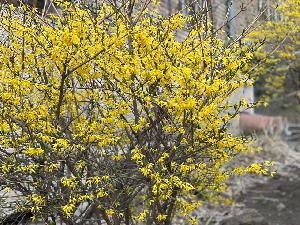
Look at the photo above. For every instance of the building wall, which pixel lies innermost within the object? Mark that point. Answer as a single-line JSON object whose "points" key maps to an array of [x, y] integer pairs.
{"points": [[221, 10]]}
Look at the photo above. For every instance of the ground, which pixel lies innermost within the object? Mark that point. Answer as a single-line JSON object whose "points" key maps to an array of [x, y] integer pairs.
{"points": [[277, 200], [264, 200]]}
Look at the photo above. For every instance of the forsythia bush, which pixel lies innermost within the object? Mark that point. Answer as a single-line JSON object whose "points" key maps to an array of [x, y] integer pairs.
{"points": [[280, 52], [105, 116]]}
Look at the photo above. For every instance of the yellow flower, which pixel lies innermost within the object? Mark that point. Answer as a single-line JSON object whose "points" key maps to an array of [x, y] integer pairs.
{"points": [[161, 217], [68, 209], [33, 151]]}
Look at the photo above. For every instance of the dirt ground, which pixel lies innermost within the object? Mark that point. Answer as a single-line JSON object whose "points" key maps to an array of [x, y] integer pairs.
{"points": [[270, 201], [277, 200], [264, 200]]}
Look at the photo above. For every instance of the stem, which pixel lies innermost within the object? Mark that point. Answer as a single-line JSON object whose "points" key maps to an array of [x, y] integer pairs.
{"points": [[61, 96]]}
